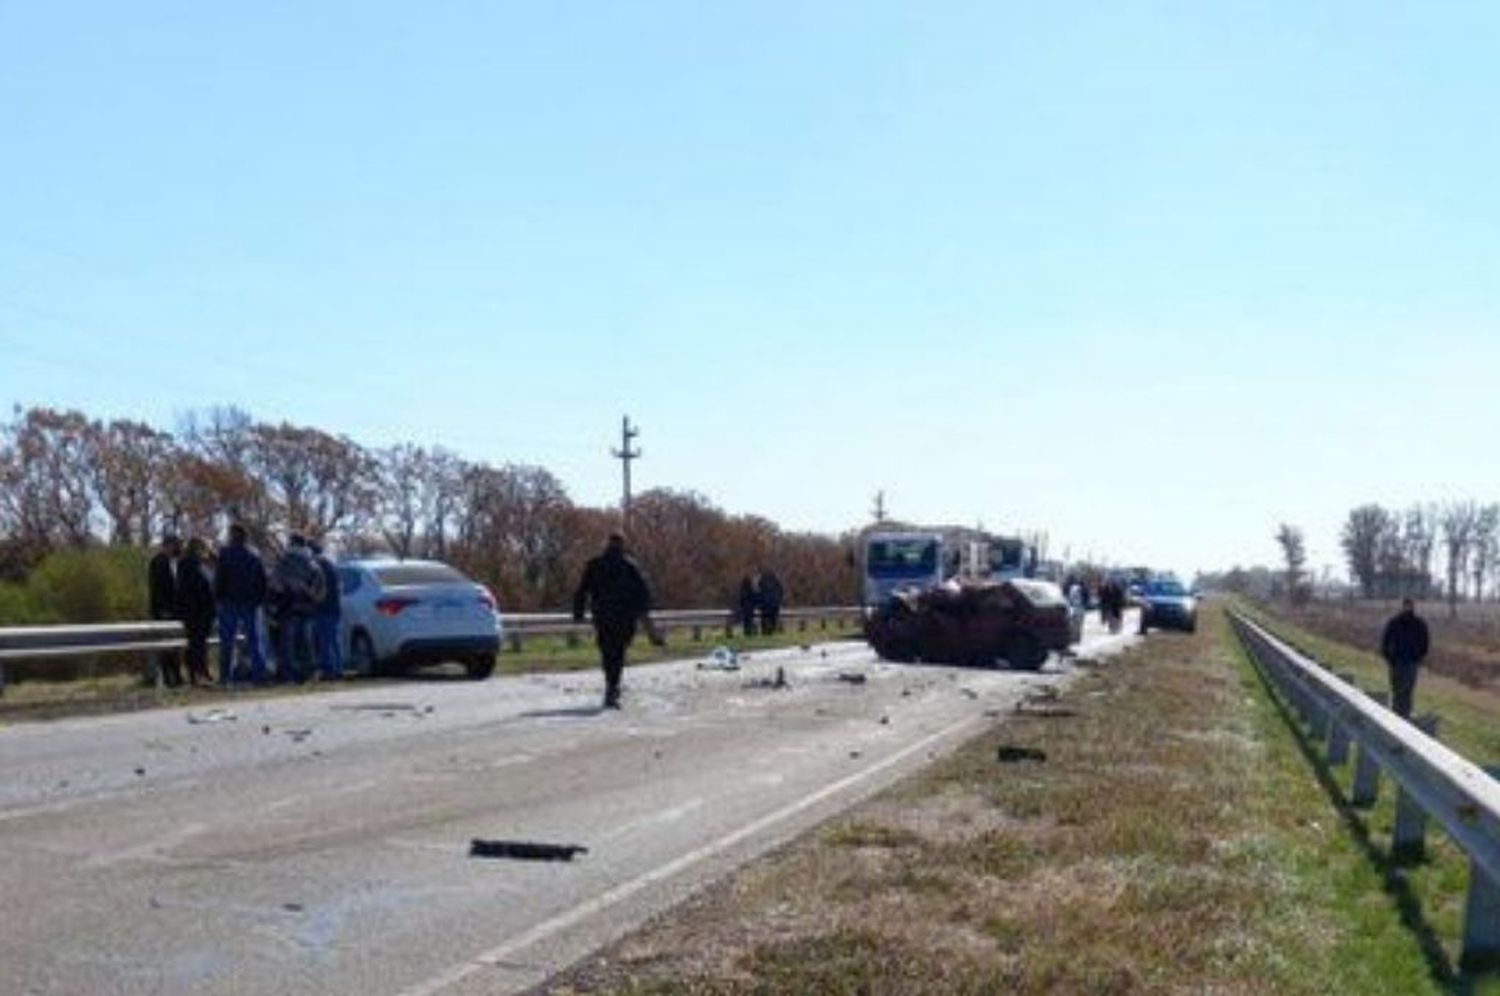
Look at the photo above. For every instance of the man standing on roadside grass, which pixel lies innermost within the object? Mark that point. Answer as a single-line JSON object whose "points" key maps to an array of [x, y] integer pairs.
{"points": [[1403, 645]]}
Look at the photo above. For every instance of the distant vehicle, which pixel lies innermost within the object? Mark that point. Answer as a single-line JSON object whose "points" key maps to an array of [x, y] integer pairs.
{"points": [[1166, 604], [406, 613], [895, 560], [973, 622]]}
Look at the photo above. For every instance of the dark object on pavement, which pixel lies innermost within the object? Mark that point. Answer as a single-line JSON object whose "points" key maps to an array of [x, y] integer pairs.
{"points": [[523, 850], [973, 622], [1009, 754], [852, 677]]}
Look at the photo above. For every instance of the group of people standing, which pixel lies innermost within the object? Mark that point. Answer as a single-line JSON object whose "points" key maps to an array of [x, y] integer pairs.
{"points": [[761, 594], [297, 599]]}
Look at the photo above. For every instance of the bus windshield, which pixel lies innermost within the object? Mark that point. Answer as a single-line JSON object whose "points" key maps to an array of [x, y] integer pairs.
{"points": [[897, 557]]}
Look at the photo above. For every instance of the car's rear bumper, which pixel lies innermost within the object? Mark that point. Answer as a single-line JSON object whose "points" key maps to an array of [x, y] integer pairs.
{"points": [[447, 648]]}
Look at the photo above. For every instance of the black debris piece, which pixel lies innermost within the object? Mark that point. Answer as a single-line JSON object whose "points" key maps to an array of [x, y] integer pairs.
{"points": [[292, 907], [853, 677], [524, 850], [1010, 754]]}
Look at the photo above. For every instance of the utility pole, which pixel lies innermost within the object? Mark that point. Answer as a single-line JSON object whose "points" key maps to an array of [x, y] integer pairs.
{"points": [[879, 510], [625, 454]]}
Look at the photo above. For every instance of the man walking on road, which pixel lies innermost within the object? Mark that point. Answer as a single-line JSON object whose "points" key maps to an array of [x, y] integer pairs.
{"points": [[1403, 645], [161, 584], [240, 587], [616, 593]]}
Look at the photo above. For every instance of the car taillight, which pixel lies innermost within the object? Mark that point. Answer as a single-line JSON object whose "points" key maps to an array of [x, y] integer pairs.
{"points": [[393, 606], [487, 599]]}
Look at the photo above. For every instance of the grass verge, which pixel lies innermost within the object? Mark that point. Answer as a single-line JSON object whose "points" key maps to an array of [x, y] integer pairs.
{"points": [[1172, 839]]}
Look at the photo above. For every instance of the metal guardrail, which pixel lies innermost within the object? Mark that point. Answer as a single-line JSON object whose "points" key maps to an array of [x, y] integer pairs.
{"points": [[40, 643], [1431, 779]]}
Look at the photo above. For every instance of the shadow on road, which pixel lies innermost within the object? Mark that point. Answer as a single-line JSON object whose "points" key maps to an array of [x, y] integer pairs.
{"points": [[573, 712]]}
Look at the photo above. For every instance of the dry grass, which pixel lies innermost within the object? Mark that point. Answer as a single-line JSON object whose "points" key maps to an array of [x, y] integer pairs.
{"points": [[1171, 841]]}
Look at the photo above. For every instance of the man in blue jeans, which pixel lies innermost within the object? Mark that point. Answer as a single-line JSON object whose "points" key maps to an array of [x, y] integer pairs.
{"points": [[239, 588], [326, 618]]}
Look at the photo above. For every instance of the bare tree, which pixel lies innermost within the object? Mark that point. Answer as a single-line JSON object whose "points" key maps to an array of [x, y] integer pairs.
{"points": [[1458, 520], [1484, 547], [128, 463], [1361, 542], [1294, 554]]}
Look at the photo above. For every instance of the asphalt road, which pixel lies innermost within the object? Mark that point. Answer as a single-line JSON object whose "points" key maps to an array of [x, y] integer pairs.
{"points": [[320, 843]]}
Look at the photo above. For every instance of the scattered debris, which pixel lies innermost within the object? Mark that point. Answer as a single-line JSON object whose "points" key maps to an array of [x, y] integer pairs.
{"points": [[853, 677], [1010, 754], [1041, 702], [213, 716], [970, 692], [523, 850], [992, 714], [390, 707], [885, 721], [906, 693], [722, 659], [266, 730], [293, 907], [856, 754], [298, 735], [777, 682], [806, 648], [140, 771]]}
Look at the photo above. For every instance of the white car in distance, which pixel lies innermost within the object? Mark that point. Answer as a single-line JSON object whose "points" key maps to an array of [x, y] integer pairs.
{"points": [[398, 614]]}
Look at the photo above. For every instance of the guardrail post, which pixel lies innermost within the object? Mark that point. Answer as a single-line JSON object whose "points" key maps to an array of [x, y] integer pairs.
{"points": [[571, 638], [1481, 912], [728, 629], [1367, 769], [697, 633], [2, 680], [514, 638], [1319, 721], [1409, 836], [1338, 736]]}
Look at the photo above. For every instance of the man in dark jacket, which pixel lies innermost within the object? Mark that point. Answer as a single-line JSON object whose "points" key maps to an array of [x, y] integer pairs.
{"points": [[326, 617], [749, 601], [613, 588], [297, 591], [1403, 645], [161, 584], [240, 587], [195, 607], [768, 586]]}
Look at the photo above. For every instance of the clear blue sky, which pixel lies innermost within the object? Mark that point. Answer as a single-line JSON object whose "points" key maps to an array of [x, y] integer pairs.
{"points": [[1148, 276]]}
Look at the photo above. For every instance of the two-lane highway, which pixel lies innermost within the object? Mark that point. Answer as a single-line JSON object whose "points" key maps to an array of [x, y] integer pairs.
{"points": [[320, 843]]}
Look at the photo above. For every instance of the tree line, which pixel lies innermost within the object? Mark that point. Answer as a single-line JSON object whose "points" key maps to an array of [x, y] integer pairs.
{"points": [[1393, 553], [70, 482]]}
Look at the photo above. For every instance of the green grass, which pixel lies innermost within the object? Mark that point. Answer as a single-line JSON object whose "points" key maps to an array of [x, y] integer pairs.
{"points": [[1469, 717], [1175, 839]]}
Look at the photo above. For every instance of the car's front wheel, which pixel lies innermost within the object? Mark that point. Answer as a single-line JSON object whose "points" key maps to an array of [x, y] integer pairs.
{"points": [[480, 666], [1025, 652]]}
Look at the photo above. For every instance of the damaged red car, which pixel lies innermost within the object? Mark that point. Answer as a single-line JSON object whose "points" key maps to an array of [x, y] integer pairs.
{"points": [[979, 623]]}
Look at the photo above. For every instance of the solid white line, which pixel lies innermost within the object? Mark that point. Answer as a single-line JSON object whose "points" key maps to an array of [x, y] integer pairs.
{"points": [[506, 952]]}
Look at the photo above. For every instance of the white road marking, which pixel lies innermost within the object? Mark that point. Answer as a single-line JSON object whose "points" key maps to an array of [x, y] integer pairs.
{"points": [[495, 957]]}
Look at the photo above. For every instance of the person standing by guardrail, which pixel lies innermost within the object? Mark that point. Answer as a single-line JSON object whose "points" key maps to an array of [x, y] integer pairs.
{"points": [[1403, 645], [195, 607], [297, 592], [326, 617], [615, 593], [772, 593], [161, 587], [749, 601], [240, 588]]}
